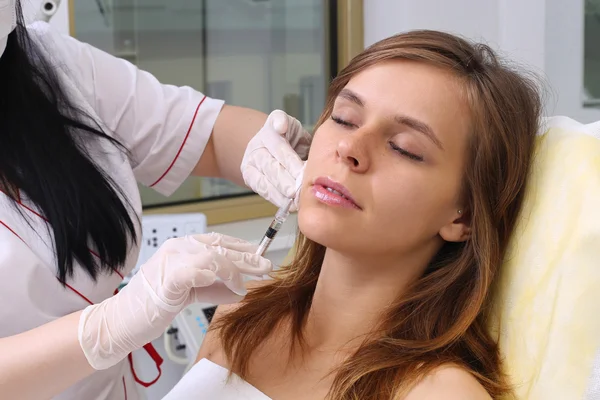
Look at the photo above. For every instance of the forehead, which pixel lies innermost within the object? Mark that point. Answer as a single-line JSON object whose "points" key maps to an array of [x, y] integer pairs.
{"points": [[432, 94]]}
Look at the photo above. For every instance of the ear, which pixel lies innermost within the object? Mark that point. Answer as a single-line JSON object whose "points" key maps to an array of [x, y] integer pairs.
{"points": [[458, 230]]}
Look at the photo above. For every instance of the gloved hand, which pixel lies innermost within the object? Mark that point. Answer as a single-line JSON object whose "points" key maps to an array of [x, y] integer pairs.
{"points": [[183, 271], [273, 159]]}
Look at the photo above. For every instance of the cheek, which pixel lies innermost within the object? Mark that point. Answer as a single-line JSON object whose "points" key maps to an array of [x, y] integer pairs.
{"points": [[414, 205]]}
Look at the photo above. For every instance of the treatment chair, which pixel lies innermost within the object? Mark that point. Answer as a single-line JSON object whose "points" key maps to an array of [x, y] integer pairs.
{"points": [[547, 301]]}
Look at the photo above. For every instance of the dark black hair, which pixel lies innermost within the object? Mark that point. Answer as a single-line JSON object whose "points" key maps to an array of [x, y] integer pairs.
{"points": [[43, 154]]}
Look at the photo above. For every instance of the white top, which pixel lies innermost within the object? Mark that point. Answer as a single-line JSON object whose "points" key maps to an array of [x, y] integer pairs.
{"points": [[165, 128], [207, 380]]}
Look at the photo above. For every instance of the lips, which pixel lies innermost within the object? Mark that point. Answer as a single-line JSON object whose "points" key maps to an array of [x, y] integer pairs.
{"points": [[331, 192]]}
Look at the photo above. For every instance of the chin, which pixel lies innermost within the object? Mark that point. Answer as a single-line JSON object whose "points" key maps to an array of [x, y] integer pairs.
{"points": [[327, 229]]}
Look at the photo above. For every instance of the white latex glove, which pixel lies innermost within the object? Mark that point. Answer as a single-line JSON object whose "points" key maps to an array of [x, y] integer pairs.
{"points": [[183, 271], [273, 159]]}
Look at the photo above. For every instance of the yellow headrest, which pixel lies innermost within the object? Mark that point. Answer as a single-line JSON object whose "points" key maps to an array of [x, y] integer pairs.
{"points": [[549, 286]]}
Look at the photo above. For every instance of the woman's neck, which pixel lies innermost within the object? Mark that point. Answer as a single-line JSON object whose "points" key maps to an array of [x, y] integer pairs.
{"points": [[351, 296]]}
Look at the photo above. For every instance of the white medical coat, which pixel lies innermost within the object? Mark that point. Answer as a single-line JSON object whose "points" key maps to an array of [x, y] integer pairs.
{"points": [[165, 128]]}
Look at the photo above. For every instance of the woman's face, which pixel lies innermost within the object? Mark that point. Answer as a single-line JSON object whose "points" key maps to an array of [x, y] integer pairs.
{"points": [[395, 148]]}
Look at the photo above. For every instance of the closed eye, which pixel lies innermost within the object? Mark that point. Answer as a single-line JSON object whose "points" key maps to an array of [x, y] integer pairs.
{"points": [[342, 122], [405, 153]]}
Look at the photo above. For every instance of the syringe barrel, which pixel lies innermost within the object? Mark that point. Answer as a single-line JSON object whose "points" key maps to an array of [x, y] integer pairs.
{"points": [[274, 227], [263, 245]]}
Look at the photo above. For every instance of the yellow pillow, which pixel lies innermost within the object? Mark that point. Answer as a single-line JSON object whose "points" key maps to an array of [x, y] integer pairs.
{"points": [[548, 295]]}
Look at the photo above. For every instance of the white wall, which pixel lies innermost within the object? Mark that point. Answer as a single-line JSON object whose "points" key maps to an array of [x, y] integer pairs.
{"points": [[500, 23], [544, 35], [564, 57]]}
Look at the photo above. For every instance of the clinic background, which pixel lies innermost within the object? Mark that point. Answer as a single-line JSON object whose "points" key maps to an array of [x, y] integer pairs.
{"points": [[269, 54]]}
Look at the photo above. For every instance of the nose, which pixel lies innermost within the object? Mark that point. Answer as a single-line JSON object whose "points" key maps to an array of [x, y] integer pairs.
{"points": [[353, 150]]}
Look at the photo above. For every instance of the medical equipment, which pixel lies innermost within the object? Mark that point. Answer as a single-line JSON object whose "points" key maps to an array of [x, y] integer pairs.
{"points": [[280, 217], [158, 228], [187, 332], [47, 10]]}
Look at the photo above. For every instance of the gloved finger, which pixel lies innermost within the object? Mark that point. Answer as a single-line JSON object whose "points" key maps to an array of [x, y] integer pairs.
{"points": [[265, 186], [219, 240], [237, 286], [258, 270], [277, 142], [184, 245], [201, 270], [255, 180], [187, 279], [170, 246], [279, 120], [294, 133], [229, 274], [186, 271], [282, 152], [262, 186], [247, 263], [275, 172], [218, 293], [287, 126]]}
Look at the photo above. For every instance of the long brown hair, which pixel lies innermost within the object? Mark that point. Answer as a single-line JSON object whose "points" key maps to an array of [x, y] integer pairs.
{"points": [[443, 317]]}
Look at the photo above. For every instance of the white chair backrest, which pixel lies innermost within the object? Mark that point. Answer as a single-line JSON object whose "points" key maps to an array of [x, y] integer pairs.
{"points": [[548, 299]]}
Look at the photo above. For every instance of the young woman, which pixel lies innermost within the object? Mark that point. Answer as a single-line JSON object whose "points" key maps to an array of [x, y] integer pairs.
{"points": [[410, 193]]}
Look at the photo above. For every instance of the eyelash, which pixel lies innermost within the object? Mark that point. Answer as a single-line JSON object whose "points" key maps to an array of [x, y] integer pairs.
{"points": [[405, 153], [394, 147], [340, 121]]}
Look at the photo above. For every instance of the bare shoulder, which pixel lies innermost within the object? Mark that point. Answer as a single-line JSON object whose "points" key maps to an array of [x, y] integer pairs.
{"points": [[211, 346], [449, 383]]}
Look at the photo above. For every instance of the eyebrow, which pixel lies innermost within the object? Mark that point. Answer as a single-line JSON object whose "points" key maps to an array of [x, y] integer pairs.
{"points": [[412, 123]]}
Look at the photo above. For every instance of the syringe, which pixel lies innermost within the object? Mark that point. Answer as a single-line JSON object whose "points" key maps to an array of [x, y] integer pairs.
{"points": [[280, 217]]}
